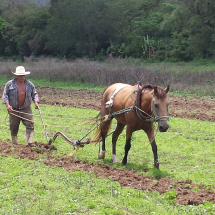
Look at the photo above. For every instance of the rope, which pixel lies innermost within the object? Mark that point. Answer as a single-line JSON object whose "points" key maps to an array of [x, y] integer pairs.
{"points": [[22, 112], [6, 118], [47, 116], [111, 116], [35, 121], [150, 116], [51, 117], [78, 143], [44, 127], [104, 118]]}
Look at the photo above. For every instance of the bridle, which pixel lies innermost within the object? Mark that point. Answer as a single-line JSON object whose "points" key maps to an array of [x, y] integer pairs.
{"points": [[154, 117]]}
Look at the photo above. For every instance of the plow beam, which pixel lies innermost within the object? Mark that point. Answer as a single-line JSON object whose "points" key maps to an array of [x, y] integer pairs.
{"points": [[77, 143]]}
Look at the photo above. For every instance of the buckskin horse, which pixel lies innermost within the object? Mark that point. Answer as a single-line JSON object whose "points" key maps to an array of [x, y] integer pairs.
{"points": [[136, 107]]}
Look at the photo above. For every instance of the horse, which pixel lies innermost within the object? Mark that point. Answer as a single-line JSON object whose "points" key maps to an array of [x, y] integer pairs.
{"points": [[137, 107]]}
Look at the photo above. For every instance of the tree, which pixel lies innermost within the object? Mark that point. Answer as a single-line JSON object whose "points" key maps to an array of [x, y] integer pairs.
{"points": [[3, 25], [79, 28], [141, 29], [193, 21], [28, 30]]}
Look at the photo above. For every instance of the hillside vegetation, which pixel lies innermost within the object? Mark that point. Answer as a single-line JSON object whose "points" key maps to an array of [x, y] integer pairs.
{"points": [[156, 30], [184, 79]]}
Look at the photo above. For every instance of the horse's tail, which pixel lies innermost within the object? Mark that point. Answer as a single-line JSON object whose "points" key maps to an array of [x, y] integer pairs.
{"points": [[103, 125], [97, 134], [94, 119]]}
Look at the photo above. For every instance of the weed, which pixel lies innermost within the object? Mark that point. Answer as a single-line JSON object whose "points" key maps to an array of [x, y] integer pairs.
{"points": [[170, 196]]}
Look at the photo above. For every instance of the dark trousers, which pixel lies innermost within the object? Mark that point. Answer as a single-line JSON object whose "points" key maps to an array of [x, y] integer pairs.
{"points": [[23, 115]]}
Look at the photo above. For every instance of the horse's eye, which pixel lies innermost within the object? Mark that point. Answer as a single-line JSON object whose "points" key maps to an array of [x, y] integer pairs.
{"points": [[156, 105]]}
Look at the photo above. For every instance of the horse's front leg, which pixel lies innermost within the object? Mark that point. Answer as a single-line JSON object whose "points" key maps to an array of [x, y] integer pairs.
{"points": [[127, 144], [150, 134], [154, 149], [127, 148]]}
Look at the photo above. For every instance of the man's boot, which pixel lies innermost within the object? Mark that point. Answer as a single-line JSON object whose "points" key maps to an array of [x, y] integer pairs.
{"points": [[29, 136], [14, 139]]}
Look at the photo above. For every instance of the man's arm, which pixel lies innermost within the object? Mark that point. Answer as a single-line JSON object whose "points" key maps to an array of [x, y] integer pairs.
{"points": [[35, 96]]}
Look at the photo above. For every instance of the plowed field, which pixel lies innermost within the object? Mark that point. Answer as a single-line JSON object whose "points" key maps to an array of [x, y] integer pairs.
{"points": [[184, 107]]}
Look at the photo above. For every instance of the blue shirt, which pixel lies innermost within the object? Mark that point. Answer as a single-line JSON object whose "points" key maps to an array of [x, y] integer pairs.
{"points": [[10, 94]]}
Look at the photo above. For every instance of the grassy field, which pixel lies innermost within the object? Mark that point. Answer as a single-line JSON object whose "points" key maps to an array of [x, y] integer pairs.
{"points": [[186, 151]]}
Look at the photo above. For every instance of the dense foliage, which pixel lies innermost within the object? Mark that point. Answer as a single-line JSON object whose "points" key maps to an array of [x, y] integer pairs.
{"points": [[156, 30]]}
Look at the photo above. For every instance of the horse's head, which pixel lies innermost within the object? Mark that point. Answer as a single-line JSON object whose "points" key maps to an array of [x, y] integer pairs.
{"points": [[160, 107]]}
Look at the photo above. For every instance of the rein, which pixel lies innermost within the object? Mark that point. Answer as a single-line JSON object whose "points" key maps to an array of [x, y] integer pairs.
{"points": [[111, 116], [33, 120]]}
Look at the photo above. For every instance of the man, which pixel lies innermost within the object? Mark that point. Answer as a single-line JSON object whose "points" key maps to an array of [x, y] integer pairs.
{"points": [[17, 96]]}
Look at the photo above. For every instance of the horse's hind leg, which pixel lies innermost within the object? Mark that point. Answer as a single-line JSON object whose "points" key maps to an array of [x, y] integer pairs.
{"points": [[101, 154], [127, 144], [104, 130], [115, 136]]}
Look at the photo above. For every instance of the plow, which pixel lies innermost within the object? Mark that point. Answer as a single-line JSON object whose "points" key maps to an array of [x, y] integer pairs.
{"points": [[77, 143], [81, 142]]}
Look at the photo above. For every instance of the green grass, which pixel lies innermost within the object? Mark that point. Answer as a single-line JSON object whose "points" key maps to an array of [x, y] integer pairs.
{"points": [[30, 187], [186, 151], [70, 85], [59, 84]]}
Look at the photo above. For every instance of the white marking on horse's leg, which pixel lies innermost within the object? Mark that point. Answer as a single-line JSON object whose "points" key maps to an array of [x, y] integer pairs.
{"points": [[101, 154], [114, 158]]}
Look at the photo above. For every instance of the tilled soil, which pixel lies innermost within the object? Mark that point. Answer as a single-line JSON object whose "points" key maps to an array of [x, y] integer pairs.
{"points": [[184, 107]]}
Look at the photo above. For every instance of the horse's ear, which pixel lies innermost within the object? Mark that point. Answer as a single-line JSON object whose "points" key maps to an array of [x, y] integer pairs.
{"points": [[167, 89], [156, 90]]}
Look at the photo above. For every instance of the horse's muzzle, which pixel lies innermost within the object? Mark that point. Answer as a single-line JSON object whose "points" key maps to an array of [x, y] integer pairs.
{"points": [[163, 126]]}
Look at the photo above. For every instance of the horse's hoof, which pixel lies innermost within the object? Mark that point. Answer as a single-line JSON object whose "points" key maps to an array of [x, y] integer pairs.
{"points": [[114, 159], [101, 155], [156, 164], [124, 163]]}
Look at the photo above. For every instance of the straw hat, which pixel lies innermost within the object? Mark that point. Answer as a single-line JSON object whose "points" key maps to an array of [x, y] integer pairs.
{"points": [[20, 70]]}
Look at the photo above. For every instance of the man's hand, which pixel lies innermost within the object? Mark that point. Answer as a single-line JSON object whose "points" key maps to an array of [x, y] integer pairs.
{"points": [[36, 105], [9, 108]]}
